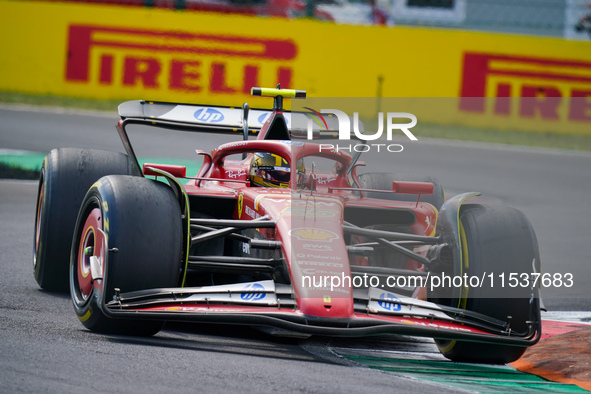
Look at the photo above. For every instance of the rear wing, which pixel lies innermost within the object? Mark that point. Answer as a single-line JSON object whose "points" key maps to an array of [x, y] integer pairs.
{"points": [[210, 118], [200, 117]]}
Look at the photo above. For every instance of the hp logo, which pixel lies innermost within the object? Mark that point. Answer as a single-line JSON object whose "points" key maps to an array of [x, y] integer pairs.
{"points": [[208, 115], [264, 117], [253, 292], [387, 305]]}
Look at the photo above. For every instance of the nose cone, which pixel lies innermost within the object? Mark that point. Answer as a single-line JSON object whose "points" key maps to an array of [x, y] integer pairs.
{"points": [[317, 256]]}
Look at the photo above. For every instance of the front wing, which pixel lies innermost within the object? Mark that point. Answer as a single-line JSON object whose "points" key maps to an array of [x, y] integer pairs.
{"points": [[266, 303]]}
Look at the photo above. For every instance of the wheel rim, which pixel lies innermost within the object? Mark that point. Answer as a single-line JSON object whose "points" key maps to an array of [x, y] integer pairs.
{"points": [[90, 245]]}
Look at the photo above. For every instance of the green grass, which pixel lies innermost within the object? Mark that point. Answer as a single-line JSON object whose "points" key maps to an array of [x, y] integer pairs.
{"points": [[27, 165], [452, 132], [8, 171]]}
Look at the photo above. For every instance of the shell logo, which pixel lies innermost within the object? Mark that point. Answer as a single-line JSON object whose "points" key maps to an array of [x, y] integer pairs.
{"points": [[316, 234]]}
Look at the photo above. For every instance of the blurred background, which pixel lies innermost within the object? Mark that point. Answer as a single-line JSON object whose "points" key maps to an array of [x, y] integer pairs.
{"points": [[529, 61], [555, 18], [516, 71]]}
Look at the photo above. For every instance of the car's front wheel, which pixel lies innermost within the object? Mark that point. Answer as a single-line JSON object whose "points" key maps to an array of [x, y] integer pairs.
{"points": [[497, 243], [128, 236]]}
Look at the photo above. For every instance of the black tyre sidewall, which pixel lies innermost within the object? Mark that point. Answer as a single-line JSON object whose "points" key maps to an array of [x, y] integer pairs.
{"points": [[499, 240], [66, 175], [144, 224]]}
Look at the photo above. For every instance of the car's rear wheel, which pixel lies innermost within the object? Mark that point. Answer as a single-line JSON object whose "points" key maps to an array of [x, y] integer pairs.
{"points": [[66, 175], [132, 227], [383, 181], [495, 240]]}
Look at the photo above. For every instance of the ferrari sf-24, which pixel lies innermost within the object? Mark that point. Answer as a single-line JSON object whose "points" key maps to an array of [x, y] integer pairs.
{"points": [[262, 236]]}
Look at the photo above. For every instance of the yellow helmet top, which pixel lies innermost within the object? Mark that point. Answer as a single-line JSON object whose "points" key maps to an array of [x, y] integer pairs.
{"points": [[269, 170]]}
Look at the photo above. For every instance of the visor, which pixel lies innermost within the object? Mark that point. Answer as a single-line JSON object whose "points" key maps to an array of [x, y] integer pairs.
{"points": [[277, 174]]}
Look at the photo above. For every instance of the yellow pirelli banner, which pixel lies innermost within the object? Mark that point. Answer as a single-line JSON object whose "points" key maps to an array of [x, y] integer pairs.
{"points": [[109, 52]]}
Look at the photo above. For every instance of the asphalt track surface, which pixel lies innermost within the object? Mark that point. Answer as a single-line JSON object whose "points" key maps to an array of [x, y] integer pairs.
{"points": [[43, 347]]}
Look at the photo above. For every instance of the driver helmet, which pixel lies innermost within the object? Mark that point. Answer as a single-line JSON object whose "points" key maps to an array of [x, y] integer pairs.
{"points": [[271, 170]]}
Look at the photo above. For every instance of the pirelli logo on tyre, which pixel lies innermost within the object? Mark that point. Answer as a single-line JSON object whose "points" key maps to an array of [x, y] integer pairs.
{"points": [[526, 87], [174, 60]]}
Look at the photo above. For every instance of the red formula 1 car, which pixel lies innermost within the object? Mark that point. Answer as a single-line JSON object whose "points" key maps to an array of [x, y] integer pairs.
{"points": [[260, 236]]}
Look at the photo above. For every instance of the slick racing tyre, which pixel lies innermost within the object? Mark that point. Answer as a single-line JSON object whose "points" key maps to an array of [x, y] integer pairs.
{"points": [[131, 227], [496, 240], [383, 181], [65, 177]]}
